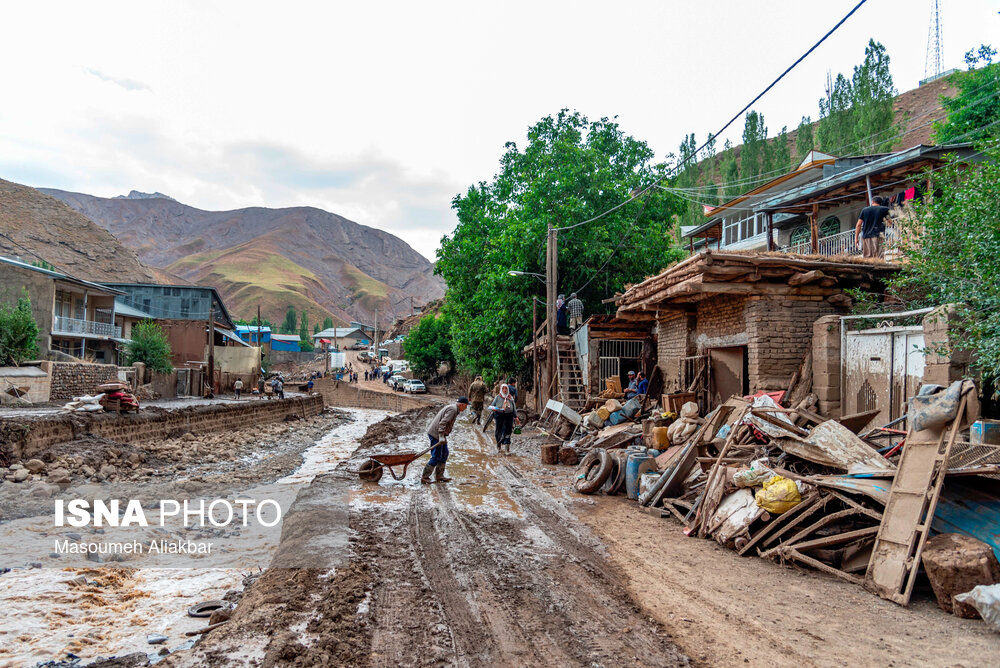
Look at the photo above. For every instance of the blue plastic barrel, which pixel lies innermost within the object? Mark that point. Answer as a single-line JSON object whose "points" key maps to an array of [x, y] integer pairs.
{"points": [[633, 469]]}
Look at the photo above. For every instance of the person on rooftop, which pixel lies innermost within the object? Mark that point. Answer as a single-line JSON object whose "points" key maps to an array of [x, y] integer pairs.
{"points": [[575, 308]]}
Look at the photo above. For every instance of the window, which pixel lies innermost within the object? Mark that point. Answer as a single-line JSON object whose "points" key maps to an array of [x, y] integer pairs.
{"points": [[185, 308], [741, 229], [829, 227]]}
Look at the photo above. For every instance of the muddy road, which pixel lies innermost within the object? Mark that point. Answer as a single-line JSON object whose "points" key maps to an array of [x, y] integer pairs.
{"points": [[490, 569]]}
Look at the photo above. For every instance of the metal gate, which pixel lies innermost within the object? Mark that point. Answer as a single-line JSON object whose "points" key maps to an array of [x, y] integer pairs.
{"points": [[882, 369], [615, 350]]}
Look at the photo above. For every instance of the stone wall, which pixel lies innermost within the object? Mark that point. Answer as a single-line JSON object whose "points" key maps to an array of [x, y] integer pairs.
{"points": [[40, 433], [42, 291], [943, 363], [297, 356], [826, 365], [74, 379], [779, 334]]}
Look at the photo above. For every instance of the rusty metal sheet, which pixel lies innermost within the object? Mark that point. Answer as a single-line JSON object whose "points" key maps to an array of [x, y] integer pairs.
{"points": [[832, 444]]}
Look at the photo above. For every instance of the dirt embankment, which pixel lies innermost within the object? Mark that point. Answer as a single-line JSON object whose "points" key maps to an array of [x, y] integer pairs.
{"points": [[395, 426]]}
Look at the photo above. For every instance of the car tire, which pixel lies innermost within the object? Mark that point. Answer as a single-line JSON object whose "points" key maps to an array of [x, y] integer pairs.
{"points": [[593, 471]]}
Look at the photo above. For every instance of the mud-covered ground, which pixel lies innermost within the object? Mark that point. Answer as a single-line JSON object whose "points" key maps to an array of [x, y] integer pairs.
{"points": [[487, 570]]}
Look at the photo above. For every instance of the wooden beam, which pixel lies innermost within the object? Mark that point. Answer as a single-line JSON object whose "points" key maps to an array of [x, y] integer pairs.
{"points": [[807, 277], [814, 229]]}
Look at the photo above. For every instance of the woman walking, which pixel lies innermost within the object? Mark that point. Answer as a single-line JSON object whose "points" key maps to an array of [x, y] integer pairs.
{"points": [[503, 413]]}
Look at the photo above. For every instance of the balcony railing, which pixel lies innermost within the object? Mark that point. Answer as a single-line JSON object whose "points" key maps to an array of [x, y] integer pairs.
{"points": [[64, 325], [835, 244]]}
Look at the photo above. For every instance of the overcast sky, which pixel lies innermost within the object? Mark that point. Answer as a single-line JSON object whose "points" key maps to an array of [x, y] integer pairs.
{"points": [[382, 112]]}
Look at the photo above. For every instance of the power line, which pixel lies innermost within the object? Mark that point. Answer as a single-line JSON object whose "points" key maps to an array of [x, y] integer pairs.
{"points": [[724, 127]]}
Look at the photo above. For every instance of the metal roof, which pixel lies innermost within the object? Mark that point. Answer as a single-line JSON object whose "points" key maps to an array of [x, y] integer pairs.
{"points": [[121, 308], [885, 163], [56, 275], [339, 333]]}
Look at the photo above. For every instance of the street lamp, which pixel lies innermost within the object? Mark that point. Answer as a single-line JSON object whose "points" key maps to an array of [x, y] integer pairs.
{"points": [[526, 273]]}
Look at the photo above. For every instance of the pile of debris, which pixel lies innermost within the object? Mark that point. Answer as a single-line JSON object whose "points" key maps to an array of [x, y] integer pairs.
{"points": [[789, 485]]}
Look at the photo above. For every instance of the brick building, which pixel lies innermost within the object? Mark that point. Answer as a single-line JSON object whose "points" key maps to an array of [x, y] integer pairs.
{"points": [[730, 323]]}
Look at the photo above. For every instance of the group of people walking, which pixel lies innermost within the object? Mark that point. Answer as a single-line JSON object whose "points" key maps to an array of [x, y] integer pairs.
{"points": [[503, 411]]}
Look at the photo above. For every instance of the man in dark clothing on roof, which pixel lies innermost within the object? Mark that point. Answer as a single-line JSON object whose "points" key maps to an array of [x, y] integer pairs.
{"points": [[870, 228]]}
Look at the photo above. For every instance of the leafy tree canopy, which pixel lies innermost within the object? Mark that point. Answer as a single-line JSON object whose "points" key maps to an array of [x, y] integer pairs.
{"points": [[327, 322], [18, 332], [571, 169], [952, 244], [149, 345], [429, 343], [974, 113]]}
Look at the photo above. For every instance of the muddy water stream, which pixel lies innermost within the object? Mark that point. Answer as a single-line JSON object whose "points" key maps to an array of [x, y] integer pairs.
{"points": [[50, 613]]}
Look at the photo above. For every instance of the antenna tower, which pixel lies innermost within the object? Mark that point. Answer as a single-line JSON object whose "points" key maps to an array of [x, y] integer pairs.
{"points": [[935, 45]]}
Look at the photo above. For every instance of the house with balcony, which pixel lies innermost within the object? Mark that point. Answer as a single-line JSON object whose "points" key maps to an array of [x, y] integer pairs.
{"points": [[819, 217], [74, 317], [813, 209]]}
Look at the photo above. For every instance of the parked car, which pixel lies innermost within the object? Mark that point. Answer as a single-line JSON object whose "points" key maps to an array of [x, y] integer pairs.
{"points": [[414, 386], [396, 382]]}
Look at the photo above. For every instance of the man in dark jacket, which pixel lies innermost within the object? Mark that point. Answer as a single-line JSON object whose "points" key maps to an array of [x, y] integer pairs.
{"points": [[438, 431], [477, 394]]}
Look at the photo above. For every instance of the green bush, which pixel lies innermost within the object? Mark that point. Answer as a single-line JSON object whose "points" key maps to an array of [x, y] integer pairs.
{"points": [[149, 345], [18, 332]]}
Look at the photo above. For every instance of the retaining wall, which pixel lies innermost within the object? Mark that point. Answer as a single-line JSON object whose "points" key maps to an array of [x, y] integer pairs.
{"points": [[32, 436], [343, 394]]}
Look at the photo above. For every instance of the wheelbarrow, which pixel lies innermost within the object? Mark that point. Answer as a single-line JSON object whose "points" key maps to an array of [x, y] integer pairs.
{"points": [[371, 470]]}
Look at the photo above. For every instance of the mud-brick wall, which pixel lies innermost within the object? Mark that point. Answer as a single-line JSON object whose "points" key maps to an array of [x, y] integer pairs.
{"points": [[40, 433], [73, 379], [826, 364], [779, 333], [721, 322], [672, 337], [342, 393]]}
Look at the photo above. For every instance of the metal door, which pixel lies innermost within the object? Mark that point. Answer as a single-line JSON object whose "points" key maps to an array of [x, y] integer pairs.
{"points": [[883, 368]]}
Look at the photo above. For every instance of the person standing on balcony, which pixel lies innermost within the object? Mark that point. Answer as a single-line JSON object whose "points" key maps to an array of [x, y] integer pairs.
{"points": [[870, 228], [575, 307]]}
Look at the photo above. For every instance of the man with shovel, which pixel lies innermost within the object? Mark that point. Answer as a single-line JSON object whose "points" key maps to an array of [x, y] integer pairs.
{"points": [[438, 431]]}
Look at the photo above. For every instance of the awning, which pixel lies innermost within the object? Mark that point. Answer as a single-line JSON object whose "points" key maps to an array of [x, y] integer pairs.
{"points": [[232, 335]]}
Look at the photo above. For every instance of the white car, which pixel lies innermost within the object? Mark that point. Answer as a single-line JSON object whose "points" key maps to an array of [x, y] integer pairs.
{"points": [[396, 382], [414, 386]]}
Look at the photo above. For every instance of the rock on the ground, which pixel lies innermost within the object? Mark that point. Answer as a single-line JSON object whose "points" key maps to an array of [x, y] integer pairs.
{"points": [[107, 471], [20, 475], [35, 465], [955, 564], [60, 477]]}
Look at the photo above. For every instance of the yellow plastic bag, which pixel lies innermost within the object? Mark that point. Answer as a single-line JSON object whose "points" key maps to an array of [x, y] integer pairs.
{"points": [[778, 496]]}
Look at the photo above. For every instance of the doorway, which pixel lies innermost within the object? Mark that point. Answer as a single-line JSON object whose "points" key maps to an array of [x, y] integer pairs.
{"points": [[729, 373]]}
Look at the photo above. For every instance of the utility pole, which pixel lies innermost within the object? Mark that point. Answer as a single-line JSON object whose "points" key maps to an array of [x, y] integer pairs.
{"points": [[551, 280], [211, 350], [411, 306], [260, 341], [534, 353], [375, 337]]}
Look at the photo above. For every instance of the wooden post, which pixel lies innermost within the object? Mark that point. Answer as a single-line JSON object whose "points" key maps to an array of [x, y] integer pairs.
{"points": [[211, 349], [260, 343], [534, 353], [770, 230], [814, 230], [551, 292]]}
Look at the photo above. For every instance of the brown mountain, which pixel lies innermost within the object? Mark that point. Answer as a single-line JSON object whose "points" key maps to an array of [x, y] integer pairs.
{"points": [[301, 256], [36, 227]]}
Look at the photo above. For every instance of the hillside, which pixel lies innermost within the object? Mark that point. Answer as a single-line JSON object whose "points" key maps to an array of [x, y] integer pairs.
{"points": [[36, 226], [273, 257]]}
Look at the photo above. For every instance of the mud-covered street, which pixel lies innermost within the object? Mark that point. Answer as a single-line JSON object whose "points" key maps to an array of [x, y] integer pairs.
{"points": [[490, 569]]}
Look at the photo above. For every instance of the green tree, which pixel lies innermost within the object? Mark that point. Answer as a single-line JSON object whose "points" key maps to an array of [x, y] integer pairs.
{"points": [[952, 243], [327, 322], [570, 170], [752, 155], [316, 328], [836, 118], [18, 332], [804, 141], [290, 325], [974, 113], [872, 96], [778, 157], [149, 345], [428, 344], [730, 172], [304, 326]]}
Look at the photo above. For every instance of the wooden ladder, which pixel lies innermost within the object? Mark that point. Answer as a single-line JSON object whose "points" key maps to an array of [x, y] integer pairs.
{"points": [[572, 391], [910, 509]]}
